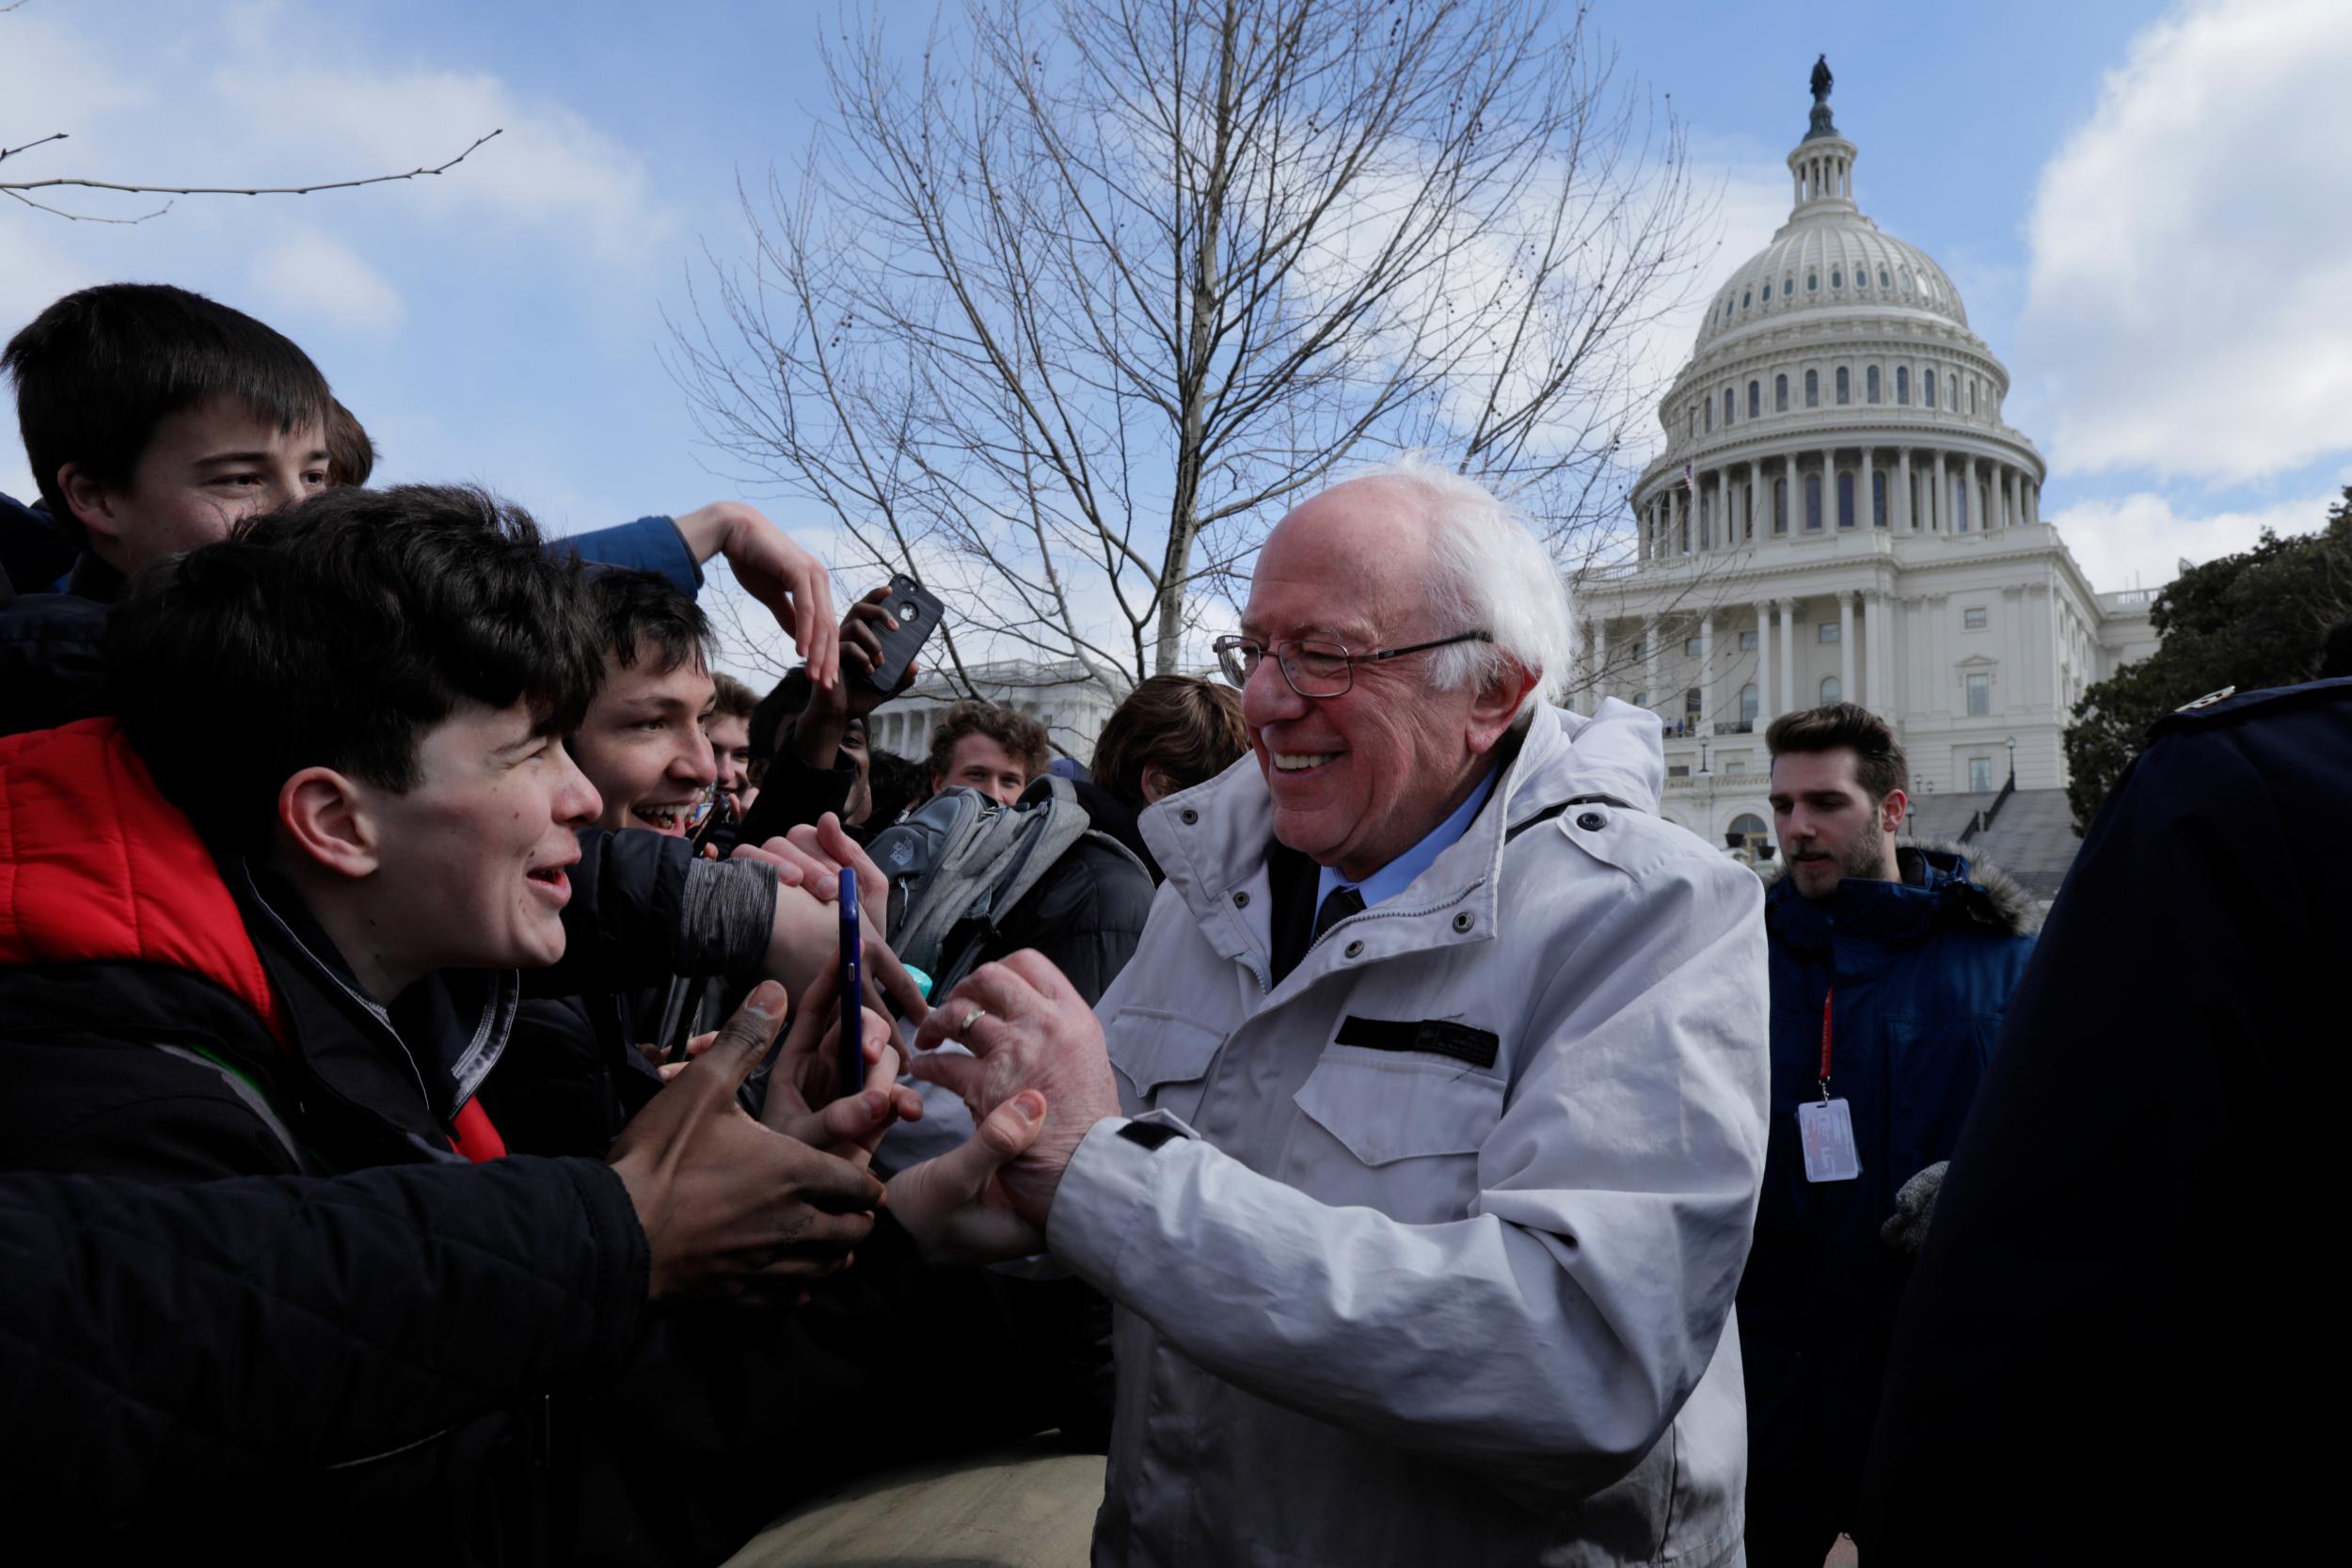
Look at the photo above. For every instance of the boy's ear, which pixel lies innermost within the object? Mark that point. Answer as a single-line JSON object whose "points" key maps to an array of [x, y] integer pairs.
{"points": [[327, 818], [91, 504]]}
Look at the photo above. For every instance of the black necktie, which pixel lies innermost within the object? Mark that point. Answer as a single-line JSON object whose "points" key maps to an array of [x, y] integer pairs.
{"points": [[1342, 902]]}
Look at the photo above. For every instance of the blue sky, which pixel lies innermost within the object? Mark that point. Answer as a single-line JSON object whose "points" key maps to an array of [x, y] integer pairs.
{"points": [[2124, 193]]}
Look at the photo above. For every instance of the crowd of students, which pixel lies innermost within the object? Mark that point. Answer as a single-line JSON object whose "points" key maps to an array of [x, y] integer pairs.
{"points": [[423, 1133]]}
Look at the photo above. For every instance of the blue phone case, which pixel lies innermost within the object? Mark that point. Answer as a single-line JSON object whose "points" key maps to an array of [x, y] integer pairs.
{"points": [[852, 991]]}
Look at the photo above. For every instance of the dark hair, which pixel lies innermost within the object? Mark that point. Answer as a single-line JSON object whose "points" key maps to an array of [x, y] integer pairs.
{"points": [[335, 634], [1187, 727], [894, 783], [98, 370], [350, 452], [730, 698], [1880, 767], [638, 613], [1017, 734]]}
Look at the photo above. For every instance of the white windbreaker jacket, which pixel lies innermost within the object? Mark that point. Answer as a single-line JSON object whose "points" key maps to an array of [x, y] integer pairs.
{"points": [[1460, 1293]]}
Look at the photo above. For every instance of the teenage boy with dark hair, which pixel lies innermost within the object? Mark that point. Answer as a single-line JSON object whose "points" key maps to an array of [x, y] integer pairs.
{"points": [[154, 419], [338, 773], [580, 1064], [1891, 963]]}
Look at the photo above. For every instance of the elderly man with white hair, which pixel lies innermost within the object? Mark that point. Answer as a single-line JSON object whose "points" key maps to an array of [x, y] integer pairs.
{"points": [[1419, 1143]]}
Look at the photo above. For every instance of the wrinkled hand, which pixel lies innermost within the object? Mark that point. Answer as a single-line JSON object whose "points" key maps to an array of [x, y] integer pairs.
{"points": [[792, 584], [1034, 1031], [853, 696], [956, 1206], [731, 1208]]}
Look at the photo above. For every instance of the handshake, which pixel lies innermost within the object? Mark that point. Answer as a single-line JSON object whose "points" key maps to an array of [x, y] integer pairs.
{"points": [[755, 1210]]}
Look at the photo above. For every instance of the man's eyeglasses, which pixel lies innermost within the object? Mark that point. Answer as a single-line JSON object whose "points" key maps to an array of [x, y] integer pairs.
{"points": [[1313, 668]]}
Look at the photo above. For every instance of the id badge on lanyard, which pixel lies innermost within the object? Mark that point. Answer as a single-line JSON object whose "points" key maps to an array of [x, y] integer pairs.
{"points": [[1825, 1126]]}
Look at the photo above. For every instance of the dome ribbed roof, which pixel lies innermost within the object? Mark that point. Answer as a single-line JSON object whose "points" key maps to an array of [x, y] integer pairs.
{"points": [[1831, 260]]}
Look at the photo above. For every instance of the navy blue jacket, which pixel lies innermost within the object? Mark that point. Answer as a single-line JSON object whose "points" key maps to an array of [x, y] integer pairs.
{"points": [[2127, 1308], [1923, 969]]}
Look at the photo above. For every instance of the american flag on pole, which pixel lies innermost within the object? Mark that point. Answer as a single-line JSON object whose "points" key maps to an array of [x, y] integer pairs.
{"points": [[1687, 482]]}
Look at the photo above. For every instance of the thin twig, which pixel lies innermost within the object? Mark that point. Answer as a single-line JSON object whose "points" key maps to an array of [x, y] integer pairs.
{"points": [[7, 152], [13, 186]]}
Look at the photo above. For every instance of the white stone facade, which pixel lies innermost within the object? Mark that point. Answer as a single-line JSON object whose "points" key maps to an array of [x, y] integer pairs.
{"points": [[1839, 511], [1059, 696]]}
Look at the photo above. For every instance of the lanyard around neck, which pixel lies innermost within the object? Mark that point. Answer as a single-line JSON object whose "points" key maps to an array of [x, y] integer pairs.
{"points": [[1827, 997]]}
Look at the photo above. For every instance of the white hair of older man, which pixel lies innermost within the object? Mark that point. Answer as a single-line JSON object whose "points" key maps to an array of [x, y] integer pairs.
{"points": [[1490, 573]]}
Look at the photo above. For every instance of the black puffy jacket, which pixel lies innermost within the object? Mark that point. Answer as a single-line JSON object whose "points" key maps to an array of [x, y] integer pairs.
{"points": [[168, 1353]]}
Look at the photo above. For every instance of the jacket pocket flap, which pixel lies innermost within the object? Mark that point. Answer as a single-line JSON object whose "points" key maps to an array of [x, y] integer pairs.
{"points": [[1386, 1111], [1152, 1048]]}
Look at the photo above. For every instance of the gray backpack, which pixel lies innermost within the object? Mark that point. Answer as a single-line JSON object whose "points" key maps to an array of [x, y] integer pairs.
{"points": [[960, 862]]}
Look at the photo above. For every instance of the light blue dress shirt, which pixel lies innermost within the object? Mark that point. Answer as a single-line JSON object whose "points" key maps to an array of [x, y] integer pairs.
{"points": [[1395, 877]]}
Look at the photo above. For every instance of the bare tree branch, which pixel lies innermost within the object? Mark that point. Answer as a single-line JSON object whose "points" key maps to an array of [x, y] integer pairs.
{"points": [[16, 187]]}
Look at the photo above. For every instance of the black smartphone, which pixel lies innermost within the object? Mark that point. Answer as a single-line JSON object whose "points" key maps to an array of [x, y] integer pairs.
{"points": [[918, 612], [852, 991]]}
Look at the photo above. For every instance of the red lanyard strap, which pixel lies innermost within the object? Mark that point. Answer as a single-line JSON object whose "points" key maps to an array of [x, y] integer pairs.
{"points": [[1827, 997]]}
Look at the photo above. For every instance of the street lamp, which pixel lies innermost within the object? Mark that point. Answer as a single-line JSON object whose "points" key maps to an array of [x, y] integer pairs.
{"points": [[2012, 762], [1702, 757]]}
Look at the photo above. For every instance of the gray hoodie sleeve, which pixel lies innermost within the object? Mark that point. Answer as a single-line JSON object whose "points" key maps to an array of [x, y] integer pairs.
{"points": [[726, 917]]}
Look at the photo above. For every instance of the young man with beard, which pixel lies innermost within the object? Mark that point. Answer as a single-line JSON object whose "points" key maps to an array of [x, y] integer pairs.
{"points": [[1891, 965], [268, 923]]}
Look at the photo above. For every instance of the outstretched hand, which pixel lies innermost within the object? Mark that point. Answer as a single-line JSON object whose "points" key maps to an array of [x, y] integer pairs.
{"points": [[956, 1206], [731, 1208], [1027, 1028], [792, 584]]}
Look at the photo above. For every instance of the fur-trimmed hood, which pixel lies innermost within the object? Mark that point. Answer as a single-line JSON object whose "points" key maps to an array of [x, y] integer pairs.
{"points": [[1986, 894]]}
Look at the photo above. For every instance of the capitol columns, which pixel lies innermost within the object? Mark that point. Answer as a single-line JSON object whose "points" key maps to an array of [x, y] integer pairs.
{"points": [[1788, 656], [1845, 645], [1796, 497], [1649, 662], [1902, 492], [1865, 511], [1877, 646], [1755, 509], [1765, 710], [1940, 515], [1707, 671]]}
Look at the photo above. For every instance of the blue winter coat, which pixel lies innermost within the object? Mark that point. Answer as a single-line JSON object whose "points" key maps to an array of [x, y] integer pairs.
{"points": [[1923, 969]]}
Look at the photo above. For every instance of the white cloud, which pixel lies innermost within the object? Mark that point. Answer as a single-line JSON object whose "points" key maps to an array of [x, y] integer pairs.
{"points": [[312, 275], [2190, 295], [2139, 541]]}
